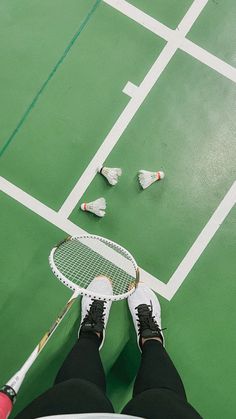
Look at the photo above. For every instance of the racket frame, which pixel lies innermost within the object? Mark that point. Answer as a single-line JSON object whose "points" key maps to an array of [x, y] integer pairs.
{"points": [[88, 292]]}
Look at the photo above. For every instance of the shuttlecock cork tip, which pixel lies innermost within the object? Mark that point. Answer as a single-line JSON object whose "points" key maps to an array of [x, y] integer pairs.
{"points": [[99, 168], [161, 175], [83, 206]]}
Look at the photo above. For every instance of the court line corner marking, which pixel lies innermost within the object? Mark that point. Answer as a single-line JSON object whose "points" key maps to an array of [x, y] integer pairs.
{"points": [[164, 32]]}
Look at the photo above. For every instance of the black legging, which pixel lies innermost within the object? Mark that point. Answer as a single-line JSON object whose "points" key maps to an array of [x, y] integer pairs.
{"points": [[80, 386]]}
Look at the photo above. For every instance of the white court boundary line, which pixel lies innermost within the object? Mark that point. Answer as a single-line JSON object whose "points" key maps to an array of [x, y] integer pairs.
{"points": [[166, 290], [138, 96], [202, 241]]}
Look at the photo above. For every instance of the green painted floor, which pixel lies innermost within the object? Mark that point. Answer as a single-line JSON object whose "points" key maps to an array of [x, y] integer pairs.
{"points": [[214, 30], [63, 68]]}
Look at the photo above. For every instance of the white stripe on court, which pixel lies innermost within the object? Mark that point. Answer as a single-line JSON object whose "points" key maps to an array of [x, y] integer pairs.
{"points": [[210, 60], [166, 33], [139, 95], [191, 16], [65, 225], [39, 208], [140, 17], [201, 242]]}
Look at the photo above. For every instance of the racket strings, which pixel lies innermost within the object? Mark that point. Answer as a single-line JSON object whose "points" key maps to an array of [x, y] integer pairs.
{"points": [[80, 264]]}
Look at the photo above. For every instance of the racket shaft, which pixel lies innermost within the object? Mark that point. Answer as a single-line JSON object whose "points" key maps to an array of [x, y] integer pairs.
{"points": [[16, 381]]}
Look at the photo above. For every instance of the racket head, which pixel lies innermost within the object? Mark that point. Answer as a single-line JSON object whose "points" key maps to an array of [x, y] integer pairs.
{"points": [[77, 260]]}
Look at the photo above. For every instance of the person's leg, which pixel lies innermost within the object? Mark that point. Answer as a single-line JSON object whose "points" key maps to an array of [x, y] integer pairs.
{"points": [[161, 404], [157, 370], [80, 383], [84, 362], [158, 387]]}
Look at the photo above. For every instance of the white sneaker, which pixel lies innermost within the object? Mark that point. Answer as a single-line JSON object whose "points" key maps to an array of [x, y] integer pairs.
{"points": [[146, 313], [95, 313]]}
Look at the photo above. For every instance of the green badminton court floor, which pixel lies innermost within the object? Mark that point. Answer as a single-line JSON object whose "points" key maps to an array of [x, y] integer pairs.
{"points": [[140, 85]]}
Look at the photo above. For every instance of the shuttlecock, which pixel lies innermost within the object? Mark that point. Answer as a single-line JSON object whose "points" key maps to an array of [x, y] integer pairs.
{"points": [[96, 207], [146, 178], [110, 173]]}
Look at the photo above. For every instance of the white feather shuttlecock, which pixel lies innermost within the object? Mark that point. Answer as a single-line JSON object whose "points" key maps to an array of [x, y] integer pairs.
{"points": [[110, 173], [96, 207], [146, 178]]}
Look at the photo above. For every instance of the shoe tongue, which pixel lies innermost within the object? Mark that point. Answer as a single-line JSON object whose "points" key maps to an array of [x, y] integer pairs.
{"points": [[144, 310], [97, 307]]}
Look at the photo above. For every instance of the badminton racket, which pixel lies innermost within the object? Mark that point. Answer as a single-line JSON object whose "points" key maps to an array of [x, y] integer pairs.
{"points": [[76, 261]]}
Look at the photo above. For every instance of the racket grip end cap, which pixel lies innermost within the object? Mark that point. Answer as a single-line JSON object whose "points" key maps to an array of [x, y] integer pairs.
{"points": [[6, 404]]}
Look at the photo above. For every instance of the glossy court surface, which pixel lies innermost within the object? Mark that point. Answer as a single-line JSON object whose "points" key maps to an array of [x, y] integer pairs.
{"points": [[138, 85]]}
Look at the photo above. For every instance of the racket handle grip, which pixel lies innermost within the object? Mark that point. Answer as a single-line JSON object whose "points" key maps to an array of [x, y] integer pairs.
{"points": [[7, 399], [6, 406]]}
